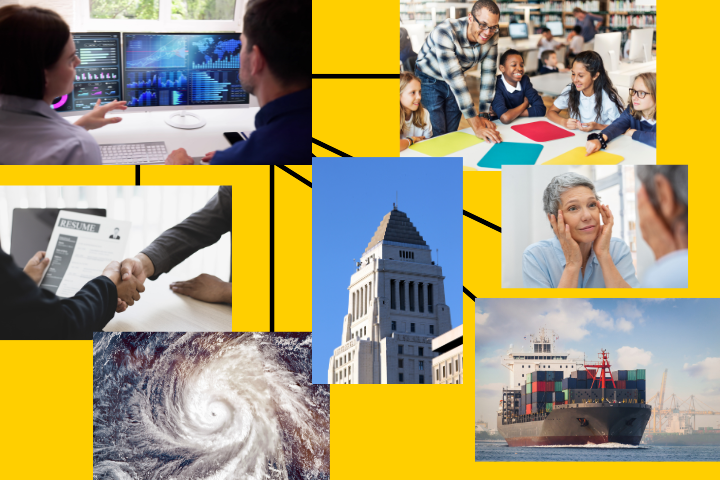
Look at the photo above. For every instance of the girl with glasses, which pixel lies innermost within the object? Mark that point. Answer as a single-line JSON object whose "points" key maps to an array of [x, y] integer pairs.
{"points": [[639, 118]]}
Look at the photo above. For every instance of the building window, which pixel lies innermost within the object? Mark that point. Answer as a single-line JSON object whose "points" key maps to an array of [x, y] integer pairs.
{"points": [[444, 375], [402, 294], [430, 298], [401, 377], [365, 330], [392, 294], [400, 349], [432, 330], [420, 298], [422, 378], [421, 365], [450, 368], [400, 363], [412, 296], [523, 374], [336, 377], [456, 366], [393, 325], [412, 327], [523, 366], [420, 351]]}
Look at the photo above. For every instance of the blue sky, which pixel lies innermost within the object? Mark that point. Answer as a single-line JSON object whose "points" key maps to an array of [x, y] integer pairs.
{"points": [[681, 335], [350, 198]]}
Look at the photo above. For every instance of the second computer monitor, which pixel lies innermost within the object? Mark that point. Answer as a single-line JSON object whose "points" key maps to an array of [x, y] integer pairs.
{"points": [[556, 28], [182, 70], [641, 43], [518, 31], [604, 44]]}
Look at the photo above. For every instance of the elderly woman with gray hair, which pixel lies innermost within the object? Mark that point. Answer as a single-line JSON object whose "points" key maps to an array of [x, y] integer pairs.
{"points": [[583, 253], [662, 203]]}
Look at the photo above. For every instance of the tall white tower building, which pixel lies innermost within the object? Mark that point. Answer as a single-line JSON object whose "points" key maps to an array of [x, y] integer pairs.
{"points": [[396, 306]]}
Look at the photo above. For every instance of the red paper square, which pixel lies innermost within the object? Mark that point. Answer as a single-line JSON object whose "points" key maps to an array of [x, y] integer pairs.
{"points": [[542, 131]]}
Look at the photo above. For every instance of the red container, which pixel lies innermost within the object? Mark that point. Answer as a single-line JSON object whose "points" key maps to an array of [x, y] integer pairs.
{"points": [[621, 384], [528, 409], [541, 386], [534, 387], [591, 373], [549, 386]]}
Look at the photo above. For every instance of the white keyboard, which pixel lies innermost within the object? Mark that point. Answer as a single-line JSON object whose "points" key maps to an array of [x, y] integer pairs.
{"points": [[133, 153]]}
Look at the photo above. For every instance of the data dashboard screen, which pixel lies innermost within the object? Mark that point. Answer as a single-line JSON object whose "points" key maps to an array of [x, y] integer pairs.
{"points": [[97, 77], [182, 69]]}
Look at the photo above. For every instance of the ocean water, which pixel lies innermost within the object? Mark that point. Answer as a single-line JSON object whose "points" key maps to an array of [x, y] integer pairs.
{"points": [[609, 452], [212, 406]]}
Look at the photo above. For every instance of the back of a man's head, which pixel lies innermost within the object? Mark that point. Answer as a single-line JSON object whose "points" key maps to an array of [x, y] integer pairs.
{"points": [[282, 31]]}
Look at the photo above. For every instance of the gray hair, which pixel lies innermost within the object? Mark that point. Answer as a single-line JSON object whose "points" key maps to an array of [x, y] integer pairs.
{"points": [[677, 175], [561, 184]]}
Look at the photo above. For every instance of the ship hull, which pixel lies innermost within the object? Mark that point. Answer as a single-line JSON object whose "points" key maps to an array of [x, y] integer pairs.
{"points": [[581, 424]]}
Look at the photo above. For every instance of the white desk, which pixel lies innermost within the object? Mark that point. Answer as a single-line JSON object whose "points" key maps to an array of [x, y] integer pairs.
{"points": [[635, 153], [150, 126], [625, 75], [551, 84], [161, 310]]}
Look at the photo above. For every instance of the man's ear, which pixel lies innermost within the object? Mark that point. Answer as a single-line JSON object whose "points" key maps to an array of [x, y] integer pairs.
{"points": [[666, 197], [258, 60]]}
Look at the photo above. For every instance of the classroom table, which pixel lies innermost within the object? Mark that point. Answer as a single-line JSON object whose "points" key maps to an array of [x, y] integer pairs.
{"points": [[551, 84], [634, 152], [139, 125], [161, 310]]}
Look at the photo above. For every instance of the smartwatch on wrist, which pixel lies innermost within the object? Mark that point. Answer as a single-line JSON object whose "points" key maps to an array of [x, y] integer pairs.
{"points": [[599, 138], [412, 142], [485, 115]]}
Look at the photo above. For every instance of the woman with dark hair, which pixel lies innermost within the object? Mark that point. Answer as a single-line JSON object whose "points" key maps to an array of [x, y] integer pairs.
{"points": [[39, 65], [591, 99]]}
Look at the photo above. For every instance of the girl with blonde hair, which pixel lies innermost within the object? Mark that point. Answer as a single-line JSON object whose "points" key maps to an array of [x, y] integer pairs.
{"points": [[414, 119]]}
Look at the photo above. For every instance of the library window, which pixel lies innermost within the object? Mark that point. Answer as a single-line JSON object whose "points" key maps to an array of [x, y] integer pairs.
{"points": [[401, 377], [400, 363], [402, 294], [412, 296], [420, 351], [444, 374], [432, 329], [393, 325], [456, 366], [392, 294], [412, 327], [422, 378], [420, 298], [430, 298], [400, 349], [437, 374], [421, 365]]}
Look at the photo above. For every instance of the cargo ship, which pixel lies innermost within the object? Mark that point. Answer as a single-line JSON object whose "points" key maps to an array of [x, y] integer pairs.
{"points": [[555, 400]]}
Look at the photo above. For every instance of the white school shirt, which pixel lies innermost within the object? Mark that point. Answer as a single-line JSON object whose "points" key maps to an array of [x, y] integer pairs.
{"points": [[546, 44], [577, 43], [413, 131], [609, 114]]}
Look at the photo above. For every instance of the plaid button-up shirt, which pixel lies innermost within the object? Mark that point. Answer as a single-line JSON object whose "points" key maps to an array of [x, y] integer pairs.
{"points": [[447, 54]]}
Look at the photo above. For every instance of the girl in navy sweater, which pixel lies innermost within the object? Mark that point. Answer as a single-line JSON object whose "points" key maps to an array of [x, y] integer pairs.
{"points": [[639, 118], [514, 94]]}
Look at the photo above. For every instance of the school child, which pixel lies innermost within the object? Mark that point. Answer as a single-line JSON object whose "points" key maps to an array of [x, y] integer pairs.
{"points": [[637, 121], [591, 100], [549, 63], [576, 43], [514, 94], [414, 119], [547, 42]]}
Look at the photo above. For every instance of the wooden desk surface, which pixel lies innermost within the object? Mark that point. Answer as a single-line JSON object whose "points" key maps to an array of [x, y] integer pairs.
{"points": [[161, 310]]}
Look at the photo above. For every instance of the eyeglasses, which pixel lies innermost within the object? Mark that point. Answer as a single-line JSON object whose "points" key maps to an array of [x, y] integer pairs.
{"points": [[638, 93], [484, 26]]}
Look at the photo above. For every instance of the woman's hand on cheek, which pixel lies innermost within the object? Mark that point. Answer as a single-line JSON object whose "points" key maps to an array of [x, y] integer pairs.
{"points": [[571, 249], [601, 245]]}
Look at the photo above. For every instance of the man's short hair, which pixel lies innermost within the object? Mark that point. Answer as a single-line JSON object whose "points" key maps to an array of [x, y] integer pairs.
{"points": [[489, 4], [546, 54], [282, 31]]}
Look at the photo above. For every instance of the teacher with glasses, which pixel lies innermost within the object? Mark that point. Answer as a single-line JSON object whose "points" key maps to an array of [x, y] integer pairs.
{"points": [[453, 48]]}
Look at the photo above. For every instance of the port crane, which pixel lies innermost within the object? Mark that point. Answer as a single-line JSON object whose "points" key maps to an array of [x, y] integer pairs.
{"points": [[661, 415]]}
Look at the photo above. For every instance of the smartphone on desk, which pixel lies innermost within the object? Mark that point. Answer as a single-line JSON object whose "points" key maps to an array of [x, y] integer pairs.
{"points": [[233, 137]]}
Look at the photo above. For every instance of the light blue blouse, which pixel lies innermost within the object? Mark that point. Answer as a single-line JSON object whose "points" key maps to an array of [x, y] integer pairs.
{"points": [[671, 271], [544, 262]]}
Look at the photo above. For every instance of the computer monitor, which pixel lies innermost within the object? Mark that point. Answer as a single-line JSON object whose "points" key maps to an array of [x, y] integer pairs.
{"points": [[641, 45], [556, 28], [518, 31], [98, 76], [607, 45], [32, 229], [182, 71]]}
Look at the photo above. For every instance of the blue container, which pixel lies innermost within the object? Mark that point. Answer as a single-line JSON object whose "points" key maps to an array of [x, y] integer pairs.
{"points": [[640, 384], [631, 384], [641, 395], [572, 383], [581, 375], [549, 376], [622, 374], [559, 397], [566, 383], [541, 376], [580, 384]]}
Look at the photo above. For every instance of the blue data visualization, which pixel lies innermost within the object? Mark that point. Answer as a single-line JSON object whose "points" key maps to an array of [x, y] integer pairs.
{"points": [[183, 69]]}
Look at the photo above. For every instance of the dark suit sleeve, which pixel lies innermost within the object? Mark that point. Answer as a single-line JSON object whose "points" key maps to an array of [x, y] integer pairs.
{"points": [[201, 229], [33, 313], [619, 126], [537, 107]]}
